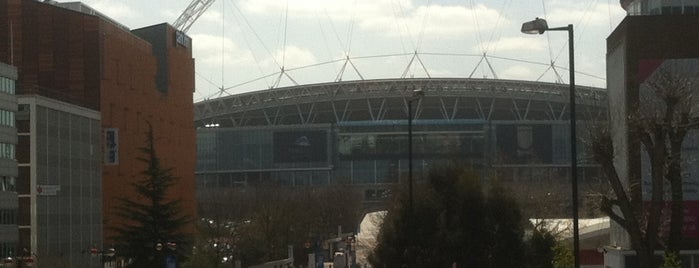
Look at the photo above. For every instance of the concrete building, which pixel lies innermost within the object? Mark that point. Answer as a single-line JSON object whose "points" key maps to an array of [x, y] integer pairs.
{"points": [[77, 65], [9, 234], [655, 35]]}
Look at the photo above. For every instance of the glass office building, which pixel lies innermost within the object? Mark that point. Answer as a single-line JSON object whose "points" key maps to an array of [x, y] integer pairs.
{"points": [[9, 234], [59, 182]]}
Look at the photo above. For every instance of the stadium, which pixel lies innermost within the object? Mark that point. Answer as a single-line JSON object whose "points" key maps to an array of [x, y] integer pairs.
{"points": [[356, 132]]}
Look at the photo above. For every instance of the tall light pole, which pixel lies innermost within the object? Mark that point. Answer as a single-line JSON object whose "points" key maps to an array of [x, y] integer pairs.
{"points": [[539, 26], [416, 95]]}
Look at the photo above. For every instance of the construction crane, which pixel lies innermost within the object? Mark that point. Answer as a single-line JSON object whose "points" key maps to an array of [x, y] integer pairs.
{"points": [[191, 14]]}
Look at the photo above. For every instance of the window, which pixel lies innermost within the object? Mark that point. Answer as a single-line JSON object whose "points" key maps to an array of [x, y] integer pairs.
{"points": [[7, 118], [666, 10], [676, 10], [689, 10], [7, 183], [7, 85], [8, 216], [7, 151], [7, 250]]}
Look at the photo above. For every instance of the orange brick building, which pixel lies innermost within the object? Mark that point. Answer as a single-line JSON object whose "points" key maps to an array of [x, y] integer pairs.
{"points": [[71, 53]]}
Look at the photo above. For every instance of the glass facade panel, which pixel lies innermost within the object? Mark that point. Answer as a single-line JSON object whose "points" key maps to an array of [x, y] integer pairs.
{"points": [[285, 178], [662, 7], [363, 171], [66, 159], [370, 155], [320, 178], [7, 183], [302, 178], [387, 171], [8, 216], [7, 250], [538, 144], [343, 170], [357, 152], [561, 144], [7, 85], [7, 118], [236, 150], [7, 151]]}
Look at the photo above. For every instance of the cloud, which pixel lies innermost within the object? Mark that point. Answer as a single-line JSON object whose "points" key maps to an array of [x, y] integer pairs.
{"points": [[340, 10], [584, 13], [239, 65], [295, 56], [443, 21], [388, 17], [211, 16], [520, 72], [513, 44], [118, 11], [212, 60]]}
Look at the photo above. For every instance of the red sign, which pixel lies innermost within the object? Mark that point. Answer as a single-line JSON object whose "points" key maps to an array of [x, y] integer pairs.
{"points": [[690, 228], [691, 219]]}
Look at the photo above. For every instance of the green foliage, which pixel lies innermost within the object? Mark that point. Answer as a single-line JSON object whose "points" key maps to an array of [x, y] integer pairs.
{"points": [[152, 218], [670, 260], [540, 249], [452, 222], [256, 224], [203, 258], [563, 256]]}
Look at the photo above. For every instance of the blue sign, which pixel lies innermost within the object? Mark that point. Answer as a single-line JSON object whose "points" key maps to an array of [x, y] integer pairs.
{"points": [[170, 261], [319, 261], [112, 150]]}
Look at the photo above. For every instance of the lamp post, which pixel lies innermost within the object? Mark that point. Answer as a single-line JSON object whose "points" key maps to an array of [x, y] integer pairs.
{"points": [[416, 95], [539, 26]]}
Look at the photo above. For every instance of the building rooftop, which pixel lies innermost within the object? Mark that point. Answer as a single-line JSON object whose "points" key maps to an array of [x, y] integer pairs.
{"points": [[660, 7], [85, 9]]}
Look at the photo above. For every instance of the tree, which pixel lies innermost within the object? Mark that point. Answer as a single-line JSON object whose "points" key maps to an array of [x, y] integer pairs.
{"points": [[540, 248], [259, 222], [452, 221], [657, 125], [154, 223], [670, 260], [563, 256], [219, 227]]}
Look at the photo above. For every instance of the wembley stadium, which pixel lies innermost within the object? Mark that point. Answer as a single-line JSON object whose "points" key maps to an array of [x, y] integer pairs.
{"points": [[356, 132]]}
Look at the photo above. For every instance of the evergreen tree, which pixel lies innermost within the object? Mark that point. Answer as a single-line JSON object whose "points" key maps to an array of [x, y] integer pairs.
{"points": [[540, 248], [563, 256], [452, 222], [152, 231]]}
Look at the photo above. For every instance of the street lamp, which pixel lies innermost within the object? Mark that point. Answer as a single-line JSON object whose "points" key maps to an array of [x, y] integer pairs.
{"points": [[416, 95], [539, 26]]}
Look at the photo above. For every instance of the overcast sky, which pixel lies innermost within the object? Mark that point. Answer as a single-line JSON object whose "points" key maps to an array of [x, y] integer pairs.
{"points": [[237, 42]]}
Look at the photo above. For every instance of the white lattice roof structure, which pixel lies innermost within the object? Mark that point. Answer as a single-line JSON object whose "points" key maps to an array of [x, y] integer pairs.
{"points": [[386, 99]]}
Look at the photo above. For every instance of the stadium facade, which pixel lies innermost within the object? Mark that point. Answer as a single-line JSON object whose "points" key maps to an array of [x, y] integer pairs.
{"points": [[356, 133]]}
